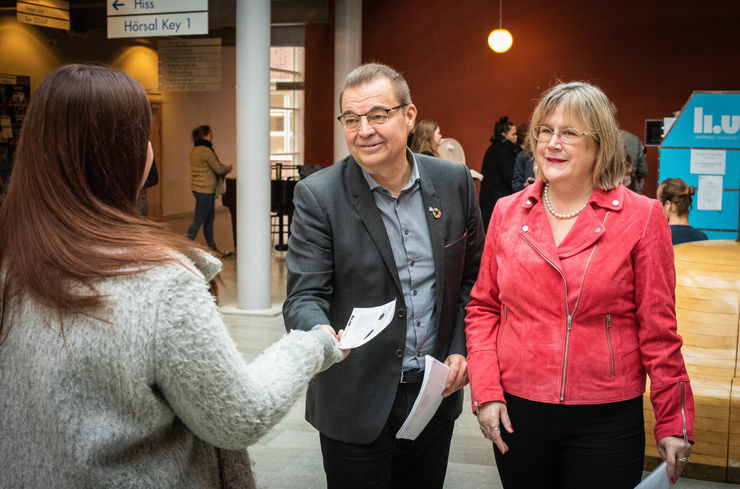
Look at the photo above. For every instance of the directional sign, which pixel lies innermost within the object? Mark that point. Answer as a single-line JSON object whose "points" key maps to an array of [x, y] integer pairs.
{"points": [[158, 25], [150, 18], [129, 7], [46, 13]]}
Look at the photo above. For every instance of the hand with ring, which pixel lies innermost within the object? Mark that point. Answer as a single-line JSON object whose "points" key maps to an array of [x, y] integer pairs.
{"points": [[675, 451], [491, 417]]}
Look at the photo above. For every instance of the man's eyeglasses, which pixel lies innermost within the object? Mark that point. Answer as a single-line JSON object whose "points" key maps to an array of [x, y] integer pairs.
{"points": [[567, 136], [375, 117]]}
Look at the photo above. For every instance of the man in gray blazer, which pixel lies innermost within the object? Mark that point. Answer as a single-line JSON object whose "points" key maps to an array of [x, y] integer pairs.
{"points": [[379, 225]]}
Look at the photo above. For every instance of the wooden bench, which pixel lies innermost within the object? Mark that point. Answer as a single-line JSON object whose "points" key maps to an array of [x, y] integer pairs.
{"points": [[708, 312]]}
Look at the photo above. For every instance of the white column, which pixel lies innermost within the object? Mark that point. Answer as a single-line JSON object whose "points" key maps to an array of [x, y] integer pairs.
{"points": [[253, 153], [347, 56]]}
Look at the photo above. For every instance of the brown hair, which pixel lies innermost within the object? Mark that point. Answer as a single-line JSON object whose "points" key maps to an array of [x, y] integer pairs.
{"points": [[678, 192], [586, 105], [423, 139], [200, 132], [501, 128], [522, 133], [629, 170], [69, 217]]}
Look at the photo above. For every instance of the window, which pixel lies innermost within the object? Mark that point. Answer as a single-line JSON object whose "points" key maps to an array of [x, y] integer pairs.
{"points": [[286, 108]]}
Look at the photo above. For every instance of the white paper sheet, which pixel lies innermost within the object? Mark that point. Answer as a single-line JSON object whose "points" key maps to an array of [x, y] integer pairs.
{"points": [[708, 161], [365, 323], [709, 196], [428, 400], [657, 479]]}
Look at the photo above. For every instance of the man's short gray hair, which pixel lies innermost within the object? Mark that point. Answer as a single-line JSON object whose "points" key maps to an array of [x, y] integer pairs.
{"points": [[371, 71]]}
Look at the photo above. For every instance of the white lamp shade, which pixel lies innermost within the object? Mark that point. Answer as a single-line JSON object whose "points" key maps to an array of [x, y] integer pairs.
{"points": [[500, 40]]}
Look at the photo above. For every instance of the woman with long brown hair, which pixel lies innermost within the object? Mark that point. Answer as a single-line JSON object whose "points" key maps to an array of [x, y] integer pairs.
{"points": [[116, 369], [426, 138]]}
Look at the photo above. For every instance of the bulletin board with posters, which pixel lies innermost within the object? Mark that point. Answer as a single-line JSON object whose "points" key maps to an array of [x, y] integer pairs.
{"points": [[703, 149], [15, 91]]}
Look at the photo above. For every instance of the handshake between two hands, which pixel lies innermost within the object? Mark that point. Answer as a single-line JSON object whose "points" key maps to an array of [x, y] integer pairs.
{"points": [[364, 324], [337, 337]]}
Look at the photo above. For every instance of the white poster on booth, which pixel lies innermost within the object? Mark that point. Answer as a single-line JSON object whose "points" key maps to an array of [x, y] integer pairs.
{"points": [[708, 161], [709, 196]]}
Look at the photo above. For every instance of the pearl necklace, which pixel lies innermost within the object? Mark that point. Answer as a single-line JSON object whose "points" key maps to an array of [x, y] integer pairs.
{"points": [[548, 204]]}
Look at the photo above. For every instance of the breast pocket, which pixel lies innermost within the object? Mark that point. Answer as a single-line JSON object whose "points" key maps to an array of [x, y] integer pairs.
{"points": [[454, 265], [456, 246]]}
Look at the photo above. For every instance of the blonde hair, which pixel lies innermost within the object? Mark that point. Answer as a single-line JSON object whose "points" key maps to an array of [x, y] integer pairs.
{"points": [[586, 104], [423, 139]]}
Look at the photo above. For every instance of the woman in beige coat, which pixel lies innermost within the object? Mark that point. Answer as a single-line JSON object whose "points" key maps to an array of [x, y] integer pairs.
{"points": [[207, 182]]}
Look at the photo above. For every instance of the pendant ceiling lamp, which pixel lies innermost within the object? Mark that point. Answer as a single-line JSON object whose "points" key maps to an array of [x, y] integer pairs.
{"points": [[500, 39]]}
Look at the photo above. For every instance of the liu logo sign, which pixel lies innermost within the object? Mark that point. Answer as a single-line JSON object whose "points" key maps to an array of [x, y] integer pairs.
{"points": [[705, 123]]}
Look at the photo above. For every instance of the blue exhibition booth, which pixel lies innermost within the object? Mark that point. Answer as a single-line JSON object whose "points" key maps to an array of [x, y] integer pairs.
{"points": [[703, 148]]}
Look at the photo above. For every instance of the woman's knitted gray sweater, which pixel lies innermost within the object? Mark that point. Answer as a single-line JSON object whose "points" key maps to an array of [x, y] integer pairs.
{"points": [[155, 396]]}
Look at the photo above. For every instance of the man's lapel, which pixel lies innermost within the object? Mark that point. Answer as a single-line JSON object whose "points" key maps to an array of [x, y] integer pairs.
{"points": [[368, 211], [436, 220]]}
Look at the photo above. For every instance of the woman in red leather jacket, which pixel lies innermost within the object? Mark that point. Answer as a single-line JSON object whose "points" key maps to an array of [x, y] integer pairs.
{"points": [[573, 306]]}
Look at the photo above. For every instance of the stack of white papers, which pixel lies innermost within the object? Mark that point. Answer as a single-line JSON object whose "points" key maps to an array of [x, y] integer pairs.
{"points": [[364, 324], [428, 400]]}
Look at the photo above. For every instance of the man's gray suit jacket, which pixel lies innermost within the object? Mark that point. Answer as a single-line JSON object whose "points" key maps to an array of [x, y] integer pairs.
{"points": [[340, 257]]}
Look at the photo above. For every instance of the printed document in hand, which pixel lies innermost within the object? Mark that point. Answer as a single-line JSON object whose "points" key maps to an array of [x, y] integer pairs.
{"points": [[428, 400], [657, 479], [365, 323]]}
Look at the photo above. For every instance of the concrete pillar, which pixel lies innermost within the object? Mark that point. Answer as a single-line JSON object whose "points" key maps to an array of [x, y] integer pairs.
{"points": [[253, 153], [347, 56]]}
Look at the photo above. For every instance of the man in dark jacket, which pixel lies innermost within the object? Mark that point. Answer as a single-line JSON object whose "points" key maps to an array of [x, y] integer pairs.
{"points": [[384, 224]]}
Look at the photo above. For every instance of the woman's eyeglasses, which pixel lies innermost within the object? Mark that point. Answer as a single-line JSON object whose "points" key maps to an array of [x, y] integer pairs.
{"points": [[567, 136]]}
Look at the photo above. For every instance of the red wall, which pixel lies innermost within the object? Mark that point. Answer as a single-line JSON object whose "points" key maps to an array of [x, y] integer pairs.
{"points": [[647, 56], [319, 95]]}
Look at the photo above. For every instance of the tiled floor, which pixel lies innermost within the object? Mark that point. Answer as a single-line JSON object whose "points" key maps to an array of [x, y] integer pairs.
{"points": [[288, 457]]}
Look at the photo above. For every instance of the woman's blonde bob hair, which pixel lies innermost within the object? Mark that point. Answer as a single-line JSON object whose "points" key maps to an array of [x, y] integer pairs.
{"points": [[586, 108]]}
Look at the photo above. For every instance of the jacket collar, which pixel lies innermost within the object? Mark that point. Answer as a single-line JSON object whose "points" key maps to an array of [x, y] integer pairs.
{"points": [[373, 184], [203, 142], [611, 200], [364, 203], [365, 206], [589, 227]]}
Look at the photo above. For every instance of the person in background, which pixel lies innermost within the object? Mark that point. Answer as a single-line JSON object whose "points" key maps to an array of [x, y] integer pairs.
{"points": [[142, 202], [557, 377], [116, 369], [207, 183], [498, 167], [522, 130], [381, 225], [676, 197], [426, 138], [229, 201], [523, 165], [629, 180], [637, 151]]}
